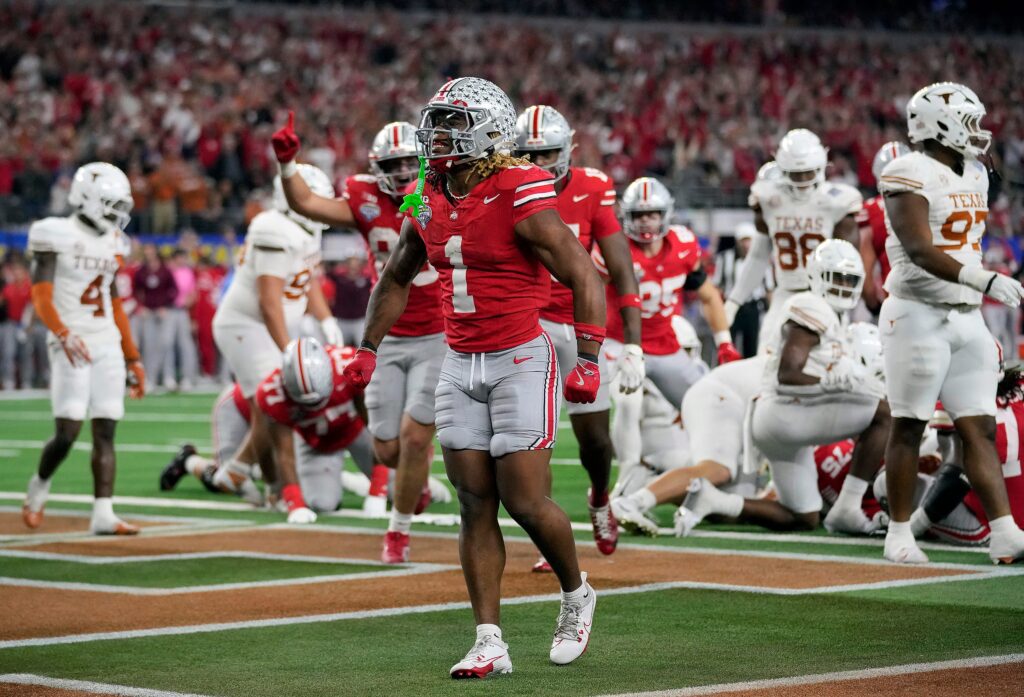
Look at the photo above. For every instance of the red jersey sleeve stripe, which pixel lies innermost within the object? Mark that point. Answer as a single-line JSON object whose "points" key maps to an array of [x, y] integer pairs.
{"points": [[533, 197]]}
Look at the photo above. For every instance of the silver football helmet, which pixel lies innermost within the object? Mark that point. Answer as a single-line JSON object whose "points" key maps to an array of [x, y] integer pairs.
{"points": [[318, 182], [800, 151], [541, 128], [468, 119], [307, 372], [645, 195], [886, 154], [393, 157], [951, 114], [836, 274], [101, 193]]}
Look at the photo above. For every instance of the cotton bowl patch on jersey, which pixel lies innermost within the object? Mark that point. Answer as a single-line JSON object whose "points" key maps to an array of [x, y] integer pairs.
{"points": [[369, 211]]}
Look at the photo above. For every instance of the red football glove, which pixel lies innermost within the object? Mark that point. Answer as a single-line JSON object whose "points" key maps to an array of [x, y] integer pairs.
{"points": [[359, 371], [582, 382], [727, 353], [136, 379], [286, 143]]}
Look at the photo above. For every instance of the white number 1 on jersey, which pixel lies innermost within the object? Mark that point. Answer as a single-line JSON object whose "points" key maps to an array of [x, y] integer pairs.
{"points": [[462, 301]]}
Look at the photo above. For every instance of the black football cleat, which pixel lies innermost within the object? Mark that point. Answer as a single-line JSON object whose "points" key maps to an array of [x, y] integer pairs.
{"points": [[175, 470]]}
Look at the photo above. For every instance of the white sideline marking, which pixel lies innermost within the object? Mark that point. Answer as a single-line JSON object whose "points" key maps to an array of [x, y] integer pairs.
{"points": [[445, 607], [88, 686], [885, 672], [232, 554], [212, 588], [873, 541]]}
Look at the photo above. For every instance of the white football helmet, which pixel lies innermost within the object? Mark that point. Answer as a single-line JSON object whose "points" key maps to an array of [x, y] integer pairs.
{"points": [[951, 114], [541, 128], [646, 194], [769, 171], [836, 274], [393, 144], [486, 118], [801, 151], [101, 193], [745, 231], [686, 335], [307, 373], [318, 182], [867, 345], [886, 154]]}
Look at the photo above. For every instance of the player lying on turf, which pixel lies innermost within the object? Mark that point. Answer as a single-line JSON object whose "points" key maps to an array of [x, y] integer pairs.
{"points": [[815, 390], [92, 353]]}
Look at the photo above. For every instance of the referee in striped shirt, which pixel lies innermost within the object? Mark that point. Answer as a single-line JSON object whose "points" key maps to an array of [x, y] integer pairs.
{"points": [[728, 264]]}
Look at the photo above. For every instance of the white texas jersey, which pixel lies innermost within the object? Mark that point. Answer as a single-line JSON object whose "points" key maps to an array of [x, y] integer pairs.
{"points": [[87, 263], [811, 312], [957, 209], [302, 247], [797, 226]]}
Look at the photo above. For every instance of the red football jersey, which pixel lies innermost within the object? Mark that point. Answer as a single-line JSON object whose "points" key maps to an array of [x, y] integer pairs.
{"points": [[833, 463], [871, 218], [1010, 448], [661, 280], [587, 206], [492, 286], [327, 429], [379, 223], [241, 403]]}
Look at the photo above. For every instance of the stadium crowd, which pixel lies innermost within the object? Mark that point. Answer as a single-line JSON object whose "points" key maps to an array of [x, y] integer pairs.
{"points": [[185, 102]]}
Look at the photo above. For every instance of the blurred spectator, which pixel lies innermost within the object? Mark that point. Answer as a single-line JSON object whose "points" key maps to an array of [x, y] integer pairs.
{"points": [[155, 291], [163, 185], [15, 352], [208, 279], [1002, 321], [32, 186], [351, 295], [183, 346]]}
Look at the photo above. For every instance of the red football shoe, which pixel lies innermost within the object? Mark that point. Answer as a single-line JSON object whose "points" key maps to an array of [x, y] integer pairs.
{"points": [[606, 528], [396, 548], [424, 500], [542, 567]]}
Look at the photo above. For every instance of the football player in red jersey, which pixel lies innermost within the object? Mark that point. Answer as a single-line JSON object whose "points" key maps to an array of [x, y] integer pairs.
{"points": [[490, 226], [309, 394], [666, 261], [586, 203], [871, 221], [400, 400]]}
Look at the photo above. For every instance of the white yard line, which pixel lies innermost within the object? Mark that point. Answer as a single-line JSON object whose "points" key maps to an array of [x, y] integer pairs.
{"points": [[232, 554], [100, 688], [874, 541], [388, 612], [155, 417], [842, 676], [213, 588]]}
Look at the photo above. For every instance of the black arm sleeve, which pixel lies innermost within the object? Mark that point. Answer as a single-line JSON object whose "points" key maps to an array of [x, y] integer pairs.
{"points": [[695, 279]]}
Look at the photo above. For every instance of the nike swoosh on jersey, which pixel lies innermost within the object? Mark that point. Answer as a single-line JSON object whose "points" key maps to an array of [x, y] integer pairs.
{"points": [[517, 360], [577, 199], [488, 200]]}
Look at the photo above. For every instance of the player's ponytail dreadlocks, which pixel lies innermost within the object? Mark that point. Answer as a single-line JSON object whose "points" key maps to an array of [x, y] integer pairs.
{"points": [[484, 167]]}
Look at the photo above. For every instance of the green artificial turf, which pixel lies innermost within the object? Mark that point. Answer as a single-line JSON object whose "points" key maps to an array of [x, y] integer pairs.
{"points": [[175, 573]]}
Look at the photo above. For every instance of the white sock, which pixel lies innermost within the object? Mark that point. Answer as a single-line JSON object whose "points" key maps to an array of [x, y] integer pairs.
{"points": [[644, 499], [493, 630], [1004, 526], [732, 505], [580, 592], [402, 522], [900, 531], [919, 522], [852, 492], [196, 465], [103, 509]]}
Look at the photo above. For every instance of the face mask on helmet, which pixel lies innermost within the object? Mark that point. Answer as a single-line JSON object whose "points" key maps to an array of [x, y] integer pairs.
{"points": [[646, 210], [469, 118], [543, 134], [645, 226], [837, 274], [307, 373], [393, 157], [801, 159]]}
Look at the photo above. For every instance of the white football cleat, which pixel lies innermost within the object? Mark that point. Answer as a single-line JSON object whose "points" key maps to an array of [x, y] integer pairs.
{"points": [[356, 482], [35, 501], [903, 550], [301, 516], [702, 499], [111, 526], [572, 634], [1006, 549], [489, 656], [375, 507], [632, 518], [439, 493], [851, 521]]}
